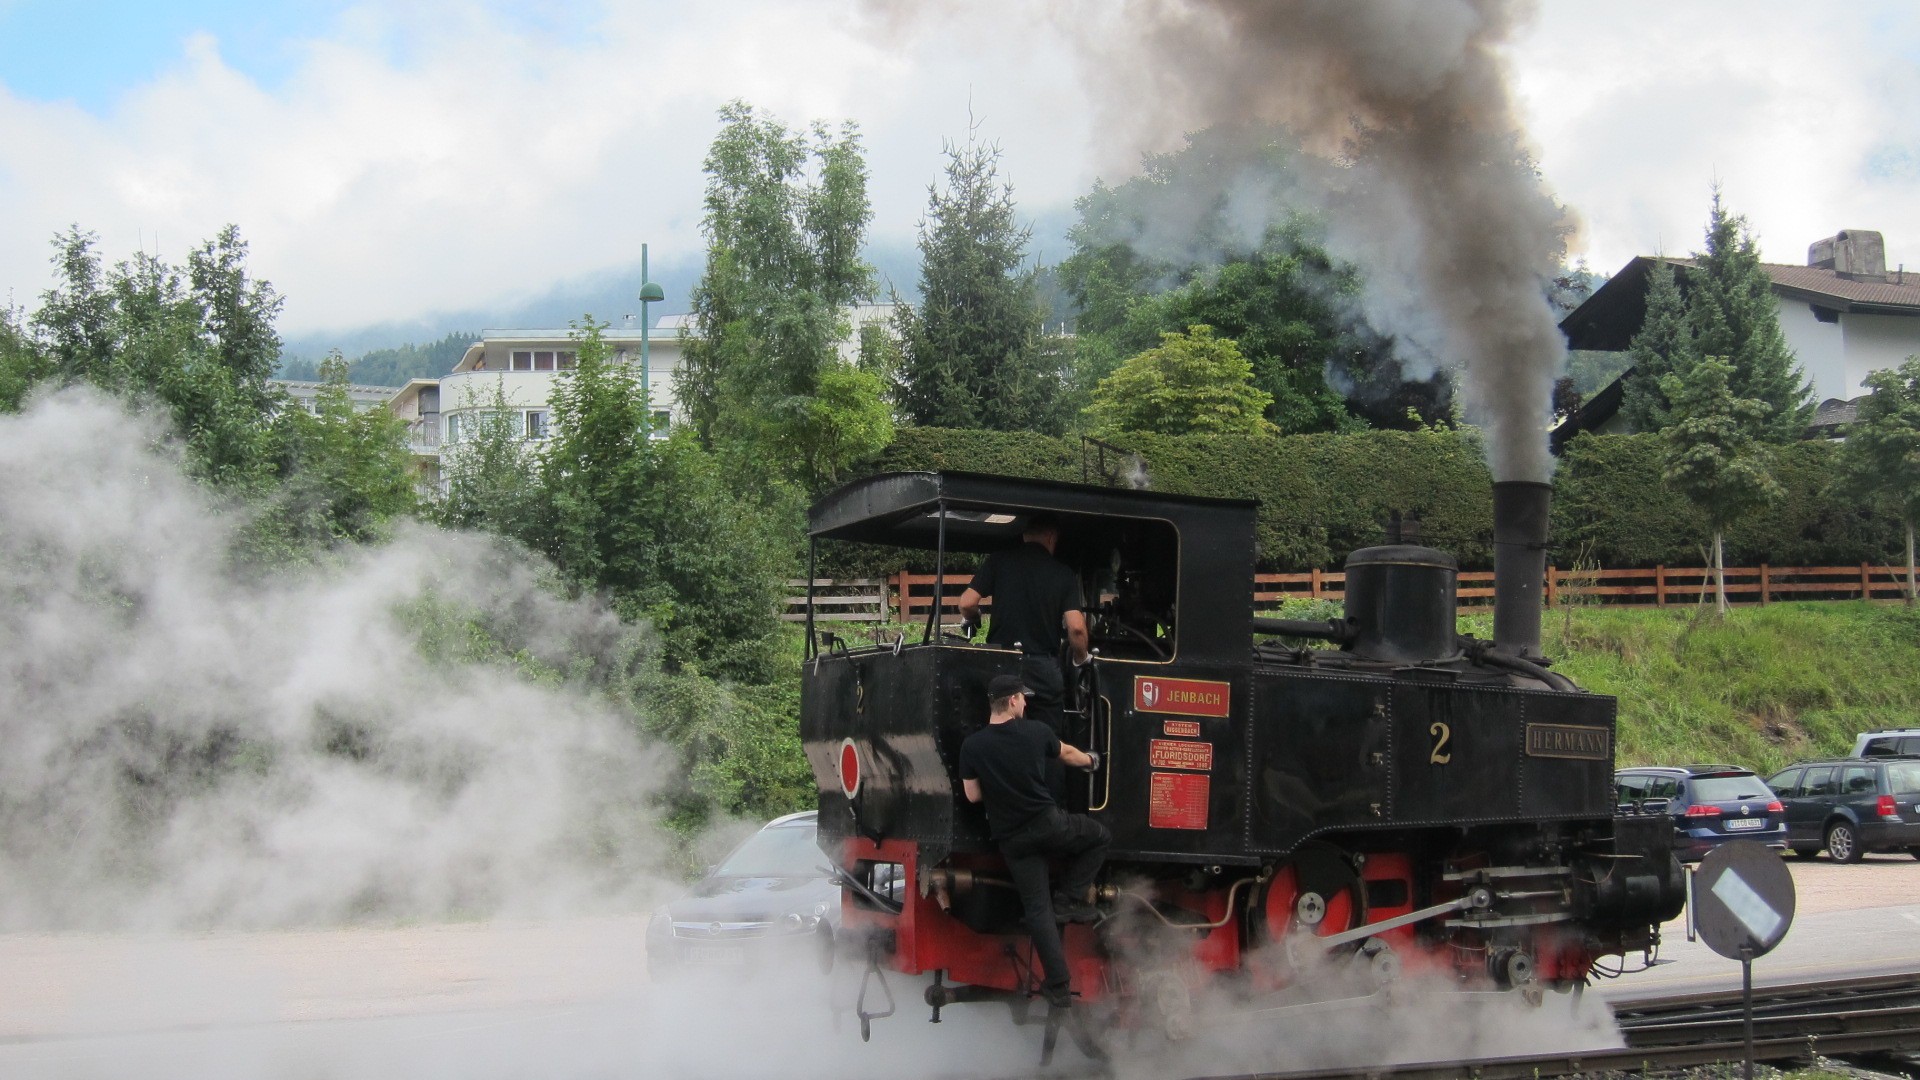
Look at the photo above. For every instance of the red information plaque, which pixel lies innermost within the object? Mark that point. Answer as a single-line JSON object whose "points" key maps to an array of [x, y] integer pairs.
{"points": [[1177, 800], [1167, 754], [1182, 697], [1186, 728]]}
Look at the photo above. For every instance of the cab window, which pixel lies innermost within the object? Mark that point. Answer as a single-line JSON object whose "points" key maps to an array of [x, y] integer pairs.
{"points": [[1820, 782]]}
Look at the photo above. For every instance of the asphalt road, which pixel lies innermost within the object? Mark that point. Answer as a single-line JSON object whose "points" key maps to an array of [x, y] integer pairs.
{"points": [[477, 1001]]}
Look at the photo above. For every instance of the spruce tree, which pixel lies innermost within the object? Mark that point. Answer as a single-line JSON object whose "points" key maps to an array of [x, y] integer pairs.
{"points": [[1730, 305], [970, 354], [1881, 456], [1663, 346]]}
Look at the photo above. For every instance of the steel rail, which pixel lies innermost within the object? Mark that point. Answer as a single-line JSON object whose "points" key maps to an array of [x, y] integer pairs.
{"points": [[1792, 1023]]}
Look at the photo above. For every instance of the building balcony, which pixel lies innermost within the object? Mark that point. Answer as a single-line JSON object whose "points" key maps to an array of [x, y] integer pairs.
{"points": [[423, 435]]}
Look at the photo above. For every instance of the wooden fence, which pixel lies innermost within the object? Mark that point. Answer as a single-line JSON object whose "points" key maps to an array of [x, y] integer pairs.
{"points": [[906, 597], [842, 600], [1657, 586]]}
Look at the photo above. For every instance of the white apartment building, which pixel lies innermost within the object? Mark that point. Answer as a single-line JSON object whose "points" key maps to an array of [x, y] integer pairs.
{"points": [[522, 366]]}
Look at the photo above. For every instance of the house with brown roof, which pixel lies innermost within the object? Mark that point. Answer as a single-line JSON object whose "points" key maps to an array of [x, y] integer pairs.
{"points": [[1844, 314]]}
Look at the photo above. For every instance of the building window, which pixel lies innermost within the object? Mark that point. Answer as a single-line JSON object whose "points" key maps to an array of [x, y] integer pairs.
{"points": [[522, 361], [453, 427], [661, 422], [543, 360], [536, 423], [566, 360]]}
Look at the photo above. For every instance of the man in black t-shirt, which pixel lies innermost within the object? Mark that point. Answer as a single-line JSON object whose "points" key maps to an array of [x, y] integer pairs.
{"points": [[1004, 765], [1035, 597]]}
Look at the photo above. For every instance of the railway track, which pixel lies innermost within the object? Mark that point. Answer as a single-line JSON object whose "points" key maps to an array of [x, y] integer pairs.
{"points": [[1795, 1023]]}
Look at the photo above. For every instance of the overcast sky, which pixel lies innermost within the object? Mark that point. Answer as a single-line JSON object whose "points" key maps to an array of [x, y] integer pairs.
{"points": [[392, 161]]}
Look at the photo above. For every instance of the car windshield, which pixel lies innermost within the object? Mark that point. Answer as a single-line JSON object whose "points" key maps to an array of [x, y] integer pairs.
{"points": [[1904, 778], [1708, 789], [783, 851]]}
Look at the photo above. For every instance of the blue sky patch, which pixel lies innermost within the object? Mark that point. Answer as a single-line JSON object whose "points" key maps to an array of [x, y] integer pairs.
{"points": [[92, 51]]}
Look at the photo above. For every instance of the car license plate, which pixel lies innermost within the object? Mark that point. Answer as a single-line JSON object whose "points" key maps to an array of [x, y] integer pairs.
{"points": [[715, 954], [1743, 824]]}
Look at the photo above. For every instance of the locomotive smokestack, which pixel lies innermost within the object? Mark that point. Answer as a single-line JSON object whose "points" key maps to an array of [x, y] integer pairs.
{"points": [[1519, 563]]}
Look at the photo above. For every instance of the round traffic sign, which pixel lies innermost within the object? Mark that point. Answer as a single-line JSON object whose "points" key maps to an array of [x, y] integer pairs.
{"points": [[1742, 899]]}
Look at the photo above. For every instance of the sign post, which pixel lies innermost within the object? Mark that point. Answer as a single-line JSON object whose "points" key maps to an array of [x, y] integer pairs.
{"points": [[1742, 901]]}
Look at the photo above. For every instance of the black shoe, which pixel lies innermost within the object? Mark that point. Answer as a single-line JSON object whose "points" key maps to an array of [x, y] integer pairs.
{"points": [[1074, 911]]}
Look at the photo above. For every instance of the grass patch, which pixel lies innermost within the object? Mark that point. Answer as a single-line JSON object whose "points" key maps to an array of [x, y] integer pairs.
{"points": [[1763, 688]]}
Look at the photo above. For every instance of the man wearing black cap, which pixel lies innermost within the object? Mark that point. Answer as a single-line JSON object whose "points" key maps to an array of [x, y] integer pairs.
{"points": [[1005, 766], [1036, 598]]}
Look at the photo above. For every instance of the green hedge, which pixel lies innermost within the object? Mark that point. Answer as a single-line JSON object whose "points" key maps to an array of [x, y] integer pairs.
{"points": [[1321, 496], [1609, 498]]}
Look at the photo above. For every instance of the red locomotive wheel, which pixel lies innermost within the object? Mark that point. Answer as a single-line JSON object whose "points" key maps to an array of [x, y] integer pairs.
{"points": [[1317, 890]]}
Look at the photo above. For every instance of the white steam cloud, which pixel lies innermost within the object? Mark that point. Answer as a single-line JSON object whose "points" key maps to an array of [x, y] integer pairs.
{"points": [[187, 745]]}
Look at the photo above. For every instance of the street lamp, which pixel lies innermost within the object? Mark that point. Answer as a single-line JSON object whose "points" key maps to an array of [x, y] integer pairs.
{"points": [[649, 292]]}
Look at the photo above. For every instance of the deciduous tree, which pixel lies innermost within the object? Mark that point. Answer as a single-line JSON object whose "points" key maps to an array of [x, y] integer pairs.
{"points": [[1714, 455], [1193, 383], [23, 364], [786, 214], [348, 475], [655, 526], [492, 474], [1218, 233]]}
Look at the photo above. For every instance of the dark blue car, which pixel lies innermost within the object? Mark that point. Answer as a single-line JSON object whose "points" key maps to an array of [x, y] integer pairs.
{"points": [[1852, 806], [1710, 805]]}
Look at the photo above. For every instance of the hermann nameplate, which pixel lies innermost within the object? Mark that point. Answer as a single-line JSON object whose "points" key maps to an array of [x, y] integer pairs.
{"points": [[1569, 741]]}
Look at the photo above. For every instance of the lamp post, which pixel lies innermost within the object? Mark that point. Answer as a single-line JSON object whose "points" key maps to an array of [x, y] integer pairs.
{"points": [[649, 292]]}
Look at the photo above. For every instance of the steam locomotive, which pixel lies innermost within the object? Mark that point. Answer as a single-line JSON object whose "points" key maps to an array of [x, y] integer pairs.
{"points": [[1285, 818]]}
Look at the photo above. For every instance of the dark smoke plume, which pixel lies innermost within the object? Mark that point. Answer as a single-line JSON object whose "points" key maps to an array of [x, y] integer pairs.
{"points": [[1437, 199], [1443, 209]]}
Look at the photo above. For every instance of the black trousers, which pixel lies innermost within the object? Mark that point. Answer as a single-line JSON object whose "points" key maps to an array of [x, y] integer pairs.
{"points": [[1082, 843]]}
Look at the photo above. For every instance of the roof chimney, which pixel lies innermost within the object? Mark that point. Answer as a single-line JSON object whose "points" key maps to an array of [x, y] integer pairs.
{"points": [[1855, 254]]}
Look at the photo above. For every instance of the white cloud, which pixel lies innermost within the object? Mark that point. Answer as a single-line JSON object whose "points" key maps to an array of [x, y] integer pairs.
{"points": [[446, 158], [1638, 108], [487, 164]]}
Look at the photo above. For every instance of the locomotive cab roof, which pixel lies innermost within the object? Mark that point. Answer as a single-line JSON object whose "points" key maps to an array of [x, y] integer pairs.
{"points": [[984, 513], [1175, 553]]}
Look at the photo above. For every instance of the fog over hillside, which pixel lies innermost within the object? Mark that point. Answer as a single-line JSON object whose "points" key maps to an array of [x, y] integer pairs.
{"points": [[608, 297]]}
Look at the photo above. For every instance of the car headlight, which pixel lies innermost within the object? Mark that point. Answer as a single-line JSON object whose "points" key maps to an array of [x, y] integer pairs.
{"points": [[797, 922]]}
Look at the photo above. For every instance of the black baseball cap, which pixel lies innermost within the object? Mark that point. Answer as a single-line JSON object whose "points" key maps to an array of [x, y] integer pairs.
{"points": [[1006, 686]]}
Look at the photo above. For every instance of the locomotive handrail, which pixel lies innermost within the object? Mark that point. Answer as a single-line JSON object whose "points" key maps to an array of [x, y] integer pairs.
{"points": [[1106, 759]]}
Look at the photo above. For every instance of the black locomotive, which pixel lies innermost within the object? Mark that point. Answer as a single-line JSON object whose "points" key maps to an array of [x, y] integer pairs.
{"points": [[1399, 799]]}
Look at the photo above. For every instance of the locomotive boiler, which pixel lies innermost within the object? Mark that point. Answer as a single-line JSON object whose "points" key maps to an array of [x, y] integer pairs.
{"points": [[1295, 806]]}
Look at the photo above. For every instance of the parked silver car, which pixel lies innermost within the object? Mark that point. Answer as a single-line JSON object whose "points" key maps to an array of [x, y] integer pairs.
{"points": [[770, 898]]}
